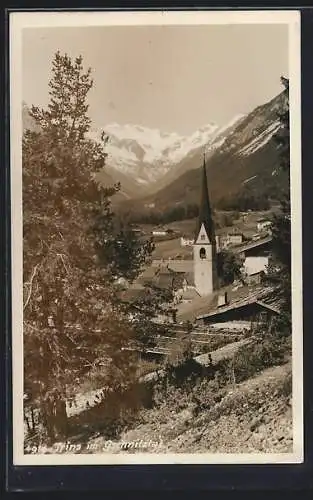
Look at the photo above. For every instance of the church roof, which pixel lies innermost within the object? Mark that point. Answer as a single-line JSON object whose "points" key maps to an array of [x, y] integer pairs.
{"points": [[161, 276], [205, 213], [169, 280]]}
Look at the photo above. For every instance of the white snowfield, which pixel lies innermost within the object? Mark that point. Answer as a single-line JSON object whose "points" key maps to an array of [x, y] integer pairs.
{"points": [[260, 140], [148, 154]]}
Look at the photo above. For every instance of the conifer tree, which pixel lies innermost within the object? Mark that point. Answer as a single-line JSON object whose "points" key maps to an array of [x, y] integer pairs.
{"points": [[72, 323], [279, 276], [228, 267]]}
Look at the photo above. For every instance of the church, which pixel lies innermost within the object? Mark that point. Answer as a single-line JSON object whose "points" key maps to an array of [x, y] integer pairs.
{"points": [[194, 277], [204, 247]]}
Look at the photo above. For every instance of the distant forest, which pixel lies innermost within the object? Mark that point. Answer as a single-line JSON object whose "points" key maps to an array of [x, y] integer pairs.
{"points": [[242, 202]]}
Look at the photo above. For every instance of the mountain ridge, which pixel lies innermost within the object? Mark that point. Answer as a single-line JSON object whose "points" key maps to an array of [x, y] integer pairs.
{"points": [[148, 155], [162, 169], [246, 160]]}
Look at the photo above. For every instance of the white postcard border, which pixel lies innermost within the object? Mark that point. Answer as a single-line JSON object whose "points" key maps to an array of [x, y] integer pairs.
{"points": [[22, 20]]}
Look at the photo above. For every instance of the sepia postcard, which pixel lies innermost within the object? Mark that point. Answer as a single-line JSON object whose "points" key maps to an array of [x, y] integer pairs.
{"points": [[155, 161]]}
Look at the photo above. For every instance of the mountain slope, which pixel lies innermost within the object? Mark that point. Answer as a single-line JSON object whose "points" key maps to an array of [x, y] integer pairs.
{"points": [[191, 160], [246, 159], [147, 155]]}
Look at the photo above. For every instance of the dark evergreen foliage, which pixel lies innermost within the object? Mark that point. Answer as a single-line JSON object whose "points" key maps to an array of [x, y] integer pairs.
{"points": [[280, 269], [228, 267], [73, 323]]}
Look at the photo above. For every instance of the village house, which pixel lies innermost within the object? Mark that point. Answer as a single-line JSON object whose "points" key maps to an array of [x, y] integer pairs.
{"points": [[263, 225], [250, 308], [159, 232], [233, 238], [185, 242], [254, 268], [235, 303], [162, 232]]}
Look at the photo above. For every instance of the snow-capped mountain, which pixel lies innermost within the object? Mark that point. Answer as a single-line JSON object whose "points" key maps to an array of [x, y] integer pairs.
{"points": [[240, 157], [147, 155], [163, 168], [260, 140]]}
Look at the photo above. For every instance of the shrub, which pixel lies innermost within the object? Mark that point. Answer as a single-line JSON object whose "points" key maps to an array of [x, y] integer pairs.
{"points": [[146, 366], [183, 369], [262, 354]]}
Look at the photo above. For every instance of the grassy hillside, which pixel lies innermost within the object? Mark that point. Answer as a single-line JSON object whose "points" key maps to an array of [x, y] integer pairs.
{"points": [[255, 416], [245, 408]]}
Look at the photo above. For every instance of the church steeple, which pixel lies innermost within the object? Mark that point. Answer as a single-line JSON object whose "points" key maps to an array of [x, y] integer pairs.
{"points": [[205, 213], [204, 248]]}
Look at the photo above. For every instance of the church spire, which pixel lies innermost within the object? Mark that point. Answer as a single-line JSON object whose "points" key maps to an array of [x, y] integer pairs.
{"points": [[205, 213]]}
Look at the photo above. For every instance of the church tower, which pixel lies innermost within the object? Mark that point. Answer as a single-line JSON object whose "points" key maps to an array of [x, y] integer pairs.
{"points": [[204, 248]]}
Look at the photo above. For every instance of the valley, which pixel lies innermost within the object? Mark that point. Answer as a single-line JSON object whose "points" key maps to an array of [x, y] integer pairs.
{"points": [[200, 339], [172, 245]]}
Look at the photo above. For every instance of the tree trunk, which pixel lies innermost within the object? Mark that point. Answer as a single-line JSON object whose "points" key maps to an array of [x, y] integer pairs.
{"points": [[54, 418], [29, 429], [61, 422]]}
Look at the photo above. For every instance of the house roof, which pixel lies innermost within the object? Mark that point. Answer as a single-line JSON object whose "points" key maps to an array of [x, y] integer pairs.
{"points": [[182, 267], [237, 297], [169, 280], [147, 275], [234, 232], [252, 244], [189, 312], [225, 352], [255, 265], [190, 294], [185, 266], [161, 276], [263, 219], [240, 304]]}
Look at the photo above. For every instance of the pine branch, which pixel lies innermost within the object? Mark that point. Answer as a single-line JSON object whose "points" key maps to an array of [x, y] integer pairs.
{"points": [[30, 283]]}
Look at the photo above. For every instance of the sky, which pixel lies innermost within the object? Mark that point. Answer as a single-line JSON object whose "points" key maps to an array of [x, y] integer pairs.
{"points": [[174, 78]]}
